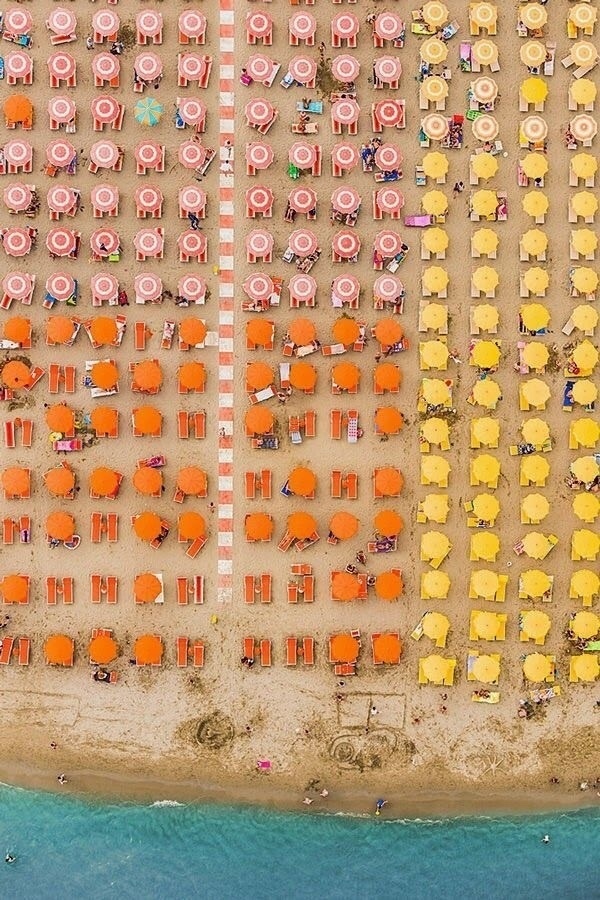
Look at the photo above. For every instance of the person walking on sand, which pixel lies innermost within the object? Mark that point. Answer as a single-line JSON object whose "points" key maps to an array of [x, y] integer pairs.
{"points": [[379, 806]]}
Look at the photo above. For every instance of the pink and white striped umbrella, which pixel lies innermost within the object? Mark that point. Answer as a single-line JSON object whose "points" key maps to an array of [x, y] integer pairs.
{"points": [[302, 154], [17, 20], [259, 67], [61, 241], [149, 241], [388, 287], [191, 154], [259, 155], [191, 110], [303, 286], [389, 199], [345, 200], [259, 24], [259, 242], [105, 109], [148, 198], [388, 157], [388, 243], [106, 66], [346, 287], [387, 69], [345, 244], [259, 198], [303, 69], [105, 197], [62, 65], [388, 26], [191, 66], [60, 285], [18, 152], [258, 111], [17, 241], [62, 22], [303, 242], [302, 199], [302, 25], [61, 199], [346, 112], [192, 199], [104, 241], [61, 109], [149, 22], [192, 287], [192, 23], [345, 156], [345, 25], [191, 242], [17, 285], [148, 286], [148, 154], [104, 286], [17, 196], [258, 286], [60, 152], [388, 112], [18, 64], [345, 68], [148, 65], [104, 154], [106, 22]]}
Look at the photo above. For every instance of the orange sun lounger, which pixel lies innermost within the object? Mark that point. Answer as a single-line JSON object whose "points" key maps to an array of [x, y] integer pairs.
{"points": [[265, 652], [182, 650], [308, 651], [198, 654], [23, 650], [291, 651], [5, 652], [248, 647]]}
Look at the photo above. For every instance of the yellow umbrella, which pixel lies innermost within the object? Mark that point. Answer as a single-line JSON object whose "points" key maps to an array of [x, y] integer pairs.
{"points": [[537, 667], [484, 203], [536, 545], [435, 13], [535, 431], [485, 469], [435, 507], [435, 668], [535, 355], [485, 583], [486, 624], [535, 203], [485, 279], [485, 545], [436, 626], [583, 15], [585, 624], [486, 669], [586, 667], [435, 584], [485, 354], [583, 92], [534, 508], [486, 316], [434, 315], [435, 165], [435, 545], [487, 393], [535, 392], [435, 391], [533, 15], [584, 279], [584, 392], [584, 317], [586, 506], [532, 54], [485, 52], [433, 51], [585, 544], [534, 583], [534, 316], [584, 204], [435, 203], [535, 165], [585, 583], [486, 507], [535, 623], [435, 279], [484, 165], [435, 430], [435, 88], [433, 354], [485, 241], [536, 280], [584, 165], [584, 241], [585, 356], [534, 242], [435, 470], [435, 240], [534, 90], [585, 469], [486, 430], [586, 432], [535, 470]]}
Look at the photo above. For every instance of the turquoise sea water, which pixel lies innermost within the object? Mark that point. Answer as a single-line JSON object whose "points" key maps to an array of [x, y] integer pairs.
{"points": [[67, 848]]}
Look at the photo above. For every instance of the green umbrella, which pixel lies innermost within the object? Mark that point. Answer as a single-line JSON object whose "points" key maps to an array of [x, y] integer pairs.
{"points": [[148, 111]]}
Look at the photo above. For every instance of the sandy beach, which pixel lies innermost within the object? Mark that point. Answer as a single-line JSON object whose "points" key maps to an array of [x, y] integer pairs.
{"points": [[198, 733]]}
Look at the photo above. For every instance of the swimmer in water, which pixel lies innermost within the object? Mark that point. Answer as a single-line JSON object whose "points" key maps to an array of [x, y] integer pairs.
{"points": [[546, 839], [10, 858]]}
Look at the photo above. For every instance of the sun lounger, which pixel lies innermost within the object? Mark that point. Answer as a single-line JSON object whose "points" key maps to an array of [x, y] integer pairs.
{"points": [[265, 652], [308, 651], [198, 654], [6, 650], [291, 651], [182, 650], [23, 649]]}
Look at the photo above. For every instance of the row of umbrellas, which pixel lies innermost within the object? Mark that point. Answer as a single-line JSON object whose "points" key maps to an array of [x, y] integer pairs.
{"points": [[104, 286], [61, 480], [105, 23], [105, 154], [64, 200], [64, 242], [106, 67], [147, 376]]}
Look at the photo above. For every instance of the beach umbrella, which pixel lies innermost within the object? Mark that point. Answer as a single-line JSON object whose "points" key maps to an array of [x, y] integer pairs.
{"points": [[485, 166], [535, 203], [346, 331], [435, 584], [302, 331], [485, 127], [436, 240], [535, 392], [534, 242], [343, 648], [258, 527], [17, 329], [388, 481], [146, 587], [388, 69], [388, 420], [191, 526], [534, 508], [485, 469], [485, 546], [434, 470], [192, 376], [102, 650], [387, 376], [16, 482], [104, 482], [259, 375], [536, 545], [584, 165], [584, 53], [345, 200], [584, 392], [585, 355], [387, 648], [534, 89], [583, 92], [147, 375], [346, 376], [148, 111], [345, 68], [259, 420], [486, 669], [301, 525], [259, 332], [583, 127], [15, 588], [58, 650], [435, 203], [436, 392], [584, 279], [487, 393], [485, 624], [534, 583], [435, 545], [484, 202], [388, 585], [435, 279], [584, 204], [343, 525], [486, 316], [302, 481], [584, 583], [436, 627], [345, 112], [485, 583], [435, 88], [537, 667], [586, 432], [147, 526], [192, 331], [435, 13], [485, 241], [585, 667], [435, 127], [387, 244], [585, 469], [435, 668], [388, 26], [534, 470], [17, 20], [536, 280], [60, 417], [586, 507], [303, 376], [147, 420], [388, 523], [585, 624], [435, 506], [535, 623], [486, 431], [585, 544], [60, 526], [434, 315], [148, 650], [534, 165], [534, 316], [533, 16], [532, 54], [485, 279], [60, 481], [486, 507], [345, 156], [433, 354], [485, 52], [535, 355], [104, 375], [433, 51], [344, 586]]}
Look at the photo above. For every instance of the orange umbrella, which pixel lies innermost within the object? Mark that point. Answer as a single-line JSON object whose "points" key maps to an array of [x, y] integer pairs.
{"points": [[345, 586], [59, 329], [346, 330], [387, 648], [17, 329], [148, 481], [104, 419], [388, 523], [104, 482], [16, 481], [346, 375], [60, 526], [259, 420], [58, 650], [60, 417], [192, 480], [148, 650], [14, 588], [17, 108], [388, 419], [15, 374], [343, 525], [302, 331], [301, 525], [259, 527], [388, 332], [147, 375], [343, 648], [388, 376], [146, 587], [191, 526], [102, 650], [303, 376], [259, 375], [389, 481], [105, 375], [259, 331], [147, 420], [192, 376], [103, 330], [302, 481], [388, 585], [192, 331], [60, 481], [147, 526]]}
